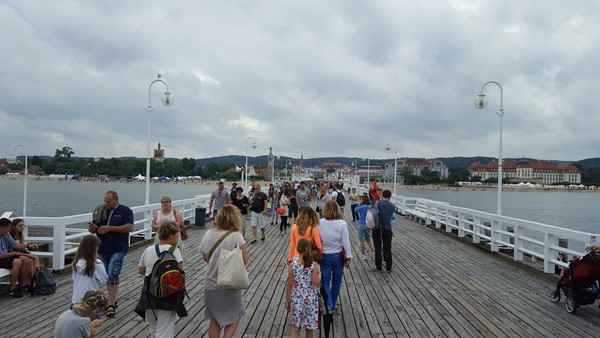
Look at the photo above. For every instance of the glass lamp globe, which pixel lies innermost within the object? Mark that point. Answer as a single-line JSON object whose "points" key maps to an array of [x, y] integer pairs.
{"points": [[167, 98], [254, 145], [481, 101], [11, 159], [387, 147]]}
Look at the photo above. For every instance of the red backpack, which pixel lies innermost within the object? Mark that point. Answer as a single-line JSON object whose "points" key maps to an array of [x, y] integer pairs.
{"points": [[166, 279]]}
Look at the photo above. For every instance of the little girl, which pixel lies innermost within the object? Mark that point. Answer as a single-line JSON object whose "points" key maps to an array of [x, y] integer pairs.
{"points": [[302, 292], [364, 233], [88, 271]]}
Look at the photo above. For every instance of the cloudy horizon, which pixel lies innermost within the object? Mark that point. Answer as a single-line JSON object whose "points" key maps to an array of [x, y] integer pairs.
{"points": [[336, 78]]}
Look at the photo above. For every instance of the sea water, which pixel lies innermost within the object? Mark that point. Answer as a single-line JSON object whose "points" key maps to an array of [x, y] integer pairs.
{"points": [[572, 210]]}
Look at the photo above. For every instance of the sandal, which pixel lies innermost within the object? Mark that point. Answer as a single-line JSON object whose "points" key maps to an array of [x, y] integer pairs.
{"points": [[110, 311]]}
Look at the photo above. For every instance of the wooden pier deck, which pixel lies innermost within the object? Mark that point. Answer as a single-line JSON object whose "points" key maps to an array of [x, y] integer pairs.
{"points": [[439, 287]]}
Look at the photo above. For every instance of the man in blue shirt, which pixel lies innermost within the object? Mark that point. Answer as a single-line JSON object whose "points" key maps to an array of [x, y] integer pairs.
{"points": [[113, 225], [382, 234]]}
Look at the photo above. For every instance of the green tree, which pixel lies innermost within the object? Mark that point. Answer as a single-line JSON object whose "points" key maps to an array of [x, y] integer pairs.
{"points": [[64, 154], [458, 175]]}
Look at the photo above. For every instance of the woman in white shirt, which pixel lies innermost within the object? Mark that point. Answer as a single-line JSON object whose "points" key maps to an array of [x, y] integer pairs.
{"points": [[336, 251]]}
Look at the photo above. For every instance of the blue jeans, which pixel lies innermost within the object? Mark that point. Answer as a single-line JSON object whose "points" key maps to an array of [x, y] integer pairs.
{"points": [[332, 271], [113, 264]]}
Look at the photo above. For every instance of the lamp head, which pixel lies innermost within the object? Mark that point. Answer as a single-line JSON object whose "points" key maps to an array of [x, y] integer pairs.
{"points": [[167, 98], [254, 145], [11, 159], [481, 101], [387, 147]]}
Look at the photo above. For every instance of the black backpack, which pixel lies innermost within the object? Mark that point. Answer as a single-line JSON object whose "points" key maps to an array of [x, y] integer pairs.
{"points": [[340, 199], [42, 283]]}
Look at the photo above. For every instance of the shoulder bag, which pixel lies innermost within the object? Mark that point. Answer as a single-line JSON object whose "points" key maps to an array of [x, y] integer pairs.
{"points": [[316, 252], [232, 272]]}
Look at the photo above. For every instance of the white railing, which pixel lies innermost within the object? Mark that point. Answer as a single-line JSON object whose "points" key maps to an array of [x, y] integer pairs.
{"points": [[64, 233], [525, 238]]}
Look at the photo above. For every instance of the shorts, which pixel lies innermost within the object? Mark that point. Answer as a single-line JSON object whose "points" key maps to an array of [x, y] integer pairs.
{"points": [[293, 212], [113, 264], [7, 263], [258, 219], [364, 233]]}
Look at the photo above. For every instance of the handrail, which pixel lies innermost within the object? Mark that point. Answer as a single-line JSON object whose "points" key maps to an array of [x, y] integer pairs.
{"points": [[524, 238], [68, 230]]}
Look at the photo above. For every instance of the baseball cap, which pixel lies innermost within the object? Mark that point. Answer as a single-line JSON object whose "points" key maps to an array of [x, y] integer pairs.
{"points": [[91, 304]]}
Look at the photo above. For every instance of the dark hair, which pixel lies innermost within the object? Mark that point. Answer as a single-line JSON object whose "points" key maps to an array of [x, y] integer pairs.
{"points": [[4, 222], [166, 230], [303, 248], [114, 194], [387, 194], [365, 199], [87, 250], [13, 232]]}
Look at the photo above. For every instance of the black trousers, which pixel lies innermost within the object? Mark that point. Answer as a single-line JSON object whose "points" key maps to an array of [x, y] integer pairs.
{"points": [[354, 215], [383, 236], [283, 224]]}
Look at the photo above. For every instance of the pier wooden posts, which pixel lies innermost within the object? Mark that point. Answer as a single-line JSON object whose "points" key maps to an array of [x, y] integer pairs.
{"points": [[59, 241]]}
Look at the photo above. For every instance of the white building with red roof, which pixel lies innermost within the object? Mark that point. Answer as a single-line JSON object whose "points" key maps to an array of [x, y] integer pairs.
{"points": [[535, 171]]}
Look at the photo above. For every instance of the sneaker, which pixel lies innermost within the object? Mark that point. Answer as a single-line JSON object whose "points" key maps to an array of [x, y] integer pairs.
{"points": [[253, 241], [262, 238], [14, 293]]}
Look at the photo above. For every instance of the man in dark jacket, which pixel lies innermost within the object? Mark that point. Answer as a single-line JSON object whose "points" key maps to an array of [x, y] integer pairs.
{"points": [[382, 234]]}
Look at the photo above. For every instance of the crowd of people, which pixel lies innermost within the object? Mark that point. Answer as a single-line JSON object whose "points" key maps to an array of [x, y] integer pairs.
{"points": [[319, 250]]}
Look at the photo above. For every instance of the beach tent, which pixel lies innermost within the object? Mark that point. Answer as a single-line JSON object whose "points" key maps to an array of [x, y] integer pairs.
{"points": [[139, 177]]}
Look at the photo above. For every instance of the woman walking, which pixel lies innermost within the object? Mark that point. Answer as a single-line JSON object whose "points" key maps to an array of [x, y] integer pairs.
{"points": [[322, 197], [354, 200], [169, 214], [364, 233], [284, 203], [305, 227], [336, 251], [223, 307]]}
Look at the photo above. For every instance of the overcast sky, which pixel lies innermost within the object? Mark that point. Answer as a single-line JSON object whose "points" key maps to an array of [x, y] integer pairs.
{"points": [[319, 78]]}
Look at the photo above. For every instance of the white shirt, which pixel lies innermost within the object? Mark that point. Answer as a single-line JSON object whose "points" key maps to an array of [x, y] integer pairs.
{"points": [[149, 257], [83, 283], [334, 235]]}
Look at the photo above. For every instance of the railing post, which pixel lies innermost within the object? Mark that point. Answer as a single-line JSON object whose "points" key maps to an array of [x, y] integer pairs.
{"points": [[494, 235], [519, 243], [59, 246], [148, 223], [476, 228], [549, 240]]}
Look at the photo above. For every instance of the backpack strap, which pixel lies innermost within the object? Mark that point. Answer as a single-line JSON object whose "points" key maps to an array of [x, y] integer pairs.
{"points": [[157, 248], [218, 242], [172, 249]]}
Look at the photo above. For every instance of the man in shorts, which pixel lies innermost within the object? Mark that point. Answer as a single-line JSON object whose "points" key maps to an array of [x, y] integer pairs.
{"points": [[10, 258], [219, 198], [112, 227], [258, 205]]}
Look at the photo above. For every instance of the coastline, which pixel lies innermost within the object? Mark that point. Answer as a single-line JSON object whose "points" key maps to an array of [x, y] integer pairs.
{"points": [[389, 186]]}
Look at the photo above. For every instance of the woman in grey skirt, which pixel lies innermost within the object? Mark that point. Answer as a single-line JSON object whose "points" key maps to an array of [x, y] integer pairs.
{"points": [[224, 307]]}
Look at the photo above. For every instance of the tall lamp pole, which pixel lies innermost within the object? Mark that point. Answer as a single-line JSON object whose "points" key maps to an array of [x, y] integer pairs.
{"points": [[287, 175], [388, 147], [481, 102], [246, 167], [166, 99], [13, 159]]}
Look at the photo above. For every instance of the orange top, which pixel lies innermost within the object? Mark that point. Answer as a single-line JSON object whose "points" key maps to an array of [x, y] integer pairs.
{"points": [[295, 236]]}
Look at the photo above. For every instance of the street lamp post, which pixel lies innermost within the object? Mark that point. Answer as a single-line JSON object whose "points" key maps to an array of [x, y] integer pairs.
{"points": [[246, 167], [395, 160], [480, 103], [167, 100], [287, 175], [368, 170], [13, 159]]}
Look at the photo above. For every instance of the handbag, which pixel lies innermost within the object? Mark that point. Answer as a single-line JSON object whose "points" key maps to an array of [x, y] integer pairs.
{"points": [[232, 272], [184, 233], [316, 252]]}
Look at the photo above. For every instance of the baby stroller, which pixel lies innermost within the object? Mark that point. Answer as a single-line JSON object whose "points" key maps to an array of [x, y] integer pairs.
{"points": [[579, 282]]}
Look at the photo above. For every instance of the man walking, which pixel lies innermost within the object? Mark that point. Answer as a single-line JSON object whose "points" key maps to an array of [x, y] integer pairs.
{"points": [[112, 223], [258, 205], [382, 234], [219, 197], [303, 196]]}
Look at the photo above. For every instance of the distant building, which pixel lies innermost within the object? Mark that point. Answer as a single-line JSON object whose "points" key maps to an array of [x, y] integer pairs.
{"points": [[417, 165], [159, 154], [535, 171]]}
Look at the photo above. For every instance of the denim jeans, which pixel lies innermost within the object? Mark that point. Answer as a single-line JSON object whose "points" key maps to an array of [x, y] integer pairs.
{"points": [[113, 264], [332, 271]]}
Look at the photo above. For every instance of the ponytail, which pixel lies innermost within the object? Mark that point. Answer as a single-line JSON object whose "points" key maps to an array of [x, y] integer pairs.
{"points": [[303, 248]]}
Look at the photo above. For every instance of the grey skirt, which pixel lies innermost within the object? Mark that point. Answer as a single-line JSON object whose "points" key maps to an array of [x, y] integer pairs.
{"points": [[224, 306]]}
